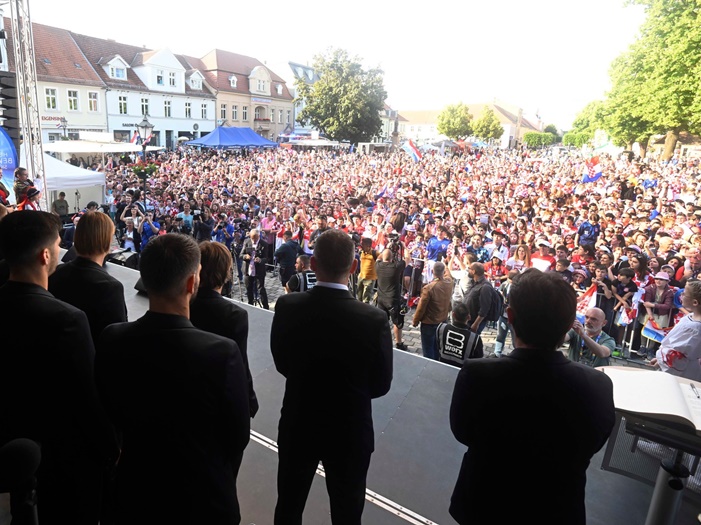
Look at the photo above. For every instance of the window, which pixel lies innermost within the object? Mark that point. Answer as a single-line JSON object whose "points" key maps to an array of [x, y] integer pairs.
{"points": [[159, 77], [196, 83], [73, 100], [244, 111], [188, 110], [92, 101], [144, 106], [261, 85], [234, 112], [51, 102], [222, 112], [166, 108], [122, 105], [289, 116], [233, 80], [279, 117], [279, 89], [118, 72], [204, 111], [171, 77], [256, 114]]}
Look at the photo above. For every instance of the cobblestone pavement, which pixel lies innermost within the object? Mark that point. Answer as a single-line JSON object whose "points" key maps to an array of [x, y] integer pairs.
{"points": [[410, 335]]}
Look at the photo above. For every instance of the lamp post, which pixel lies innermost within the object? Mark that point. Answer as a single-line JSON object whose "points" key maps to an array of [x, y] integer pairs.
{"points": [[145, 128], [64, 126]]}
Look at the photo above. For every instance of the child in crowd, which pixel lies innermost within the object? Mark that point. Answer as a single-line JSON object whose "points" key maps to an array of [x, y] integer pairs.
{"points": [[680, 351]]}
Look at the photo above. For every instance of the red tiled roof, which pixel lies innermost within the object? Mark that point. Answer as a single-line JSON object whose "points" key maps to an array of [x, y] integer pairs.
{"points": [[58, 58], [219, 66], [96, 49]]}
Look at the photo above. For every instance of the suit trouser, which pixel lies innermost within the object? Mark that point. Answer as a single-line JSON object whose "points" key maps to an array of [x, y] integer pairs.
{"points": [[258, 281], [346, 476]]}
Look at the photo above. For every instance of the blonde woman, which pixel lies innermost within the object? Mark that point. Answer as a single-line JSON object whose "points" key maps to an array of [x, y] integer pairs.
{"points": [[521, 258]]}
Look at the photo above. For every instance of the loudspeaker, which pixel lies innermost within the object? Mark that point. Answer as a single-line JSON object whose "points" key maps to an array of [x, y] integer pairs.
{"points": [[126, 259]]}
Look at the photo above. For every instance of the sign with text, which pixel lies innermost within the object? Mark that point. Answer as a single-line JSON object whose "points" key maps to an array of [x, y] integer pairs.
{"points": [[8, 163]]}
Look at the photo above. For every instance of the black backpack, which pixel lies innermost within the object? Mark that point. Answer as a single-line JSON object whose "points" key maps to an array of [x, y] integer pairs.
{"points": [[496, 307]]}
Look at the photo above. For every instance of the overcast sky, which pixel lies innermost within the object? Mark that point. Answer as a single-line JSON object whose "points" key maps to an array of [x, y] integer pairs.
{"points": [[550, 56]]}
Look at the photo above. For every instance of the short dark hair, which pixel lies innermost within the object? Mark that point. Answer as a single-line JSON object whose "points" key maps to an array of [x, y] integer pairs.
{"points": [[23, 234], [460, 312], [93, 234], [304, 259], [627, 272], [334, 253], [543, 306], [216, 265], [478, 268], [167, 261]]}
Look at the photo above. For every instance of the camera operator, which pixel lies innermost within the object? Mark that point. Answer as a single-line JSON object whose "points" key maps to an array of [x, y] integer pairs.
{"points": [[390, 270], [224, 232], [147, 227], [203, 225], [177, 226]]}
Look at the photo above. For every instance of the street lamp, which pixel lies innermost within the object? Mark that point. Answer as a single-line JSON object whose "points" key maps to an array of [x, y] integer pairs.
{"points": [[64, 126], [144, 128]]}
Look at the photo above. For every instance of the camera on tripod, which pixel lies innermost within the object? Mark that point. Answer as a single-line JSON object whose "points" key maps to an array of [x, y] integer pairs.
{"points": [[394, 245]]}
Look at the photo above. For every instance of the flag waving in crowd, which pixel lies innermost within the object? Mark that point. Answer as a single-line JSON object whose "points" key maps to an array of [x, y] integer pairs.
{"points": [[412, 150], [593, 170]]}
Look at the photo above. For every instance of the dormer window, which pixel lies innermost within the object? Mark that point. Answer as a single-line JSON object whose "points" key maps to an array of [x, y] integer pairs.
{"points": [[278, 88], [232, 81], [261, 85], [118, 72], [195, 83]]}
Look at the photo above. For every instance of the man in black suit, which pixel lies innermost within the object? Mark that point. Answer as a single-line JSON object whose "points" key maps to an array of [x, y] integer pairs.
{"points": [[84, 282], [47, 388], [179, 397], [336, 354], [544, 414], [253, 251]]}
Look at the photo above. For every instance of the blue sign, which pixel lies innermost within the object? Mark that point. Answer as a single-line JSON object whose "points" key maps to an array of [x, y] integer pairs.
{"points": [[8, 163]]}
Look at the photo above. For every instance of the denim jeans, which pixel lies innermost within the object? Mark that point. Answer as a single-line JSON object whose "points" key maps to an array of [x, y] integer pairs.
{"points": [[429, 348], [503, 329]]}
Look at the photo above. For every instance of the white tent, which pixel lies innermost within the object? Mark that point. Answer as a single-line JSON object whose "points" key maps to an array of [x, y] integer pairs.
{"points": [[81, 186]]}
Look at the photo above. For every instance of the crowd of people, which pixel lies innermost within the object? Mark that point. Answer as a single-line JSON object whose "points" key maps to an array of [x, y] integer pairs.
{"points": [[468, 239]]}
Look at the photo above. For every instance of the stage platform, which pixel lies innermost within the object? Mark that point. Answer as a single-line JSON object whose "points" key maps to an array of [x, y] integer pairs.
{"points": [[416, 459]]}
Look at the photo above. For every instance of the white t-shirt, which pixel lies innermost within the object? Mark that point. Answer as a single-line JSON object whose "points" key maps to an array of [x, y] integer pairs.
{"points": [[680, 351]]}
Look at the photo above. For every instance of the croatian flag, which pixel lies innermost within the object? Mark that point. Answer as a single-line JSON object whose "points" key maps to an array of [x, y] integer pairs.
{"points": [[135, 138], [412, 150], [147, 139], [593, 171]]}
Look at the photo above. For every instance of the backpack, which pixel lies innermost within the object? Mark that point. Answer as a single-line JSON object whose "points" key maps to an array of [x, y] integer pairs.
{"points": [[496, 307]]}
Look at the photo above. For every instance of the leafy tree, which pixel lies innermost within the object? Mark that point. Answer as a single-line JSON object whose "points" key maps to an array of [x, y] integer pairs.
{"points": [[552, 128], [590, 118], [576, 139], [455, 121], [667, 80], [488, 127], [534, 139], [345, 103]]}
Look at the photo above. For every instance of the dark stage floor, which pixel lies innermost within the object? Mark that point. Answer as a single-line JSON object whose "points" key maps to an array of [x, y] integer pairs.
{"points": [[416, 459]]}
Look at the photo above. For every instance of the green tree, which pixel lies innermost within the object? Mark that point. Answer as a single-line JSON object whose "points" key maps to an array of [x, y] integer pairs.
{"points": [[345, 103], [534, 139], [667, 79], [576, 139], [488, 127], [590, 118], [552, 128], [455, 121]]}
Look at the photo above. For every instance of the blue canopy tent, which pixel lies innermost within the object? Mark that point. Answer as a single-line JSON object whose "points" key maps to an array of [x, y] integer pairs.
{"points": [[232, 138]]}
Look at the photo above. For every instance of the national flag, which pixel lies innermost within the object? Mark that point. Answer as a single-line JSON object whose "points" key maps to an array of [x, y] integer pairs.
{"points": [[412, 150], [147, 139], [382, 192], [593, 171], [135, 138], [653, 332], [586, 301]]}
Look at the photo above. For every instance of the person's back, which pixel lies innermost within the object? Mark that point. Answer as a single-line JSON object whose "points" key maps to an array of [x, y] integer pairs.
{"points": [[336, 355], [179, 397], [47, 389], [545, 414]]}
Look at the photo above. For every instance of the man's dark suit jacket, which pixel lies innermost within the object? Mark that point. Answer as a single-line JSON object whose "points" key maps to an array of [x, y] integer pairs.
{"points": [[87, 286], [179, 397], [47, 394], [260, 252], [336, 354], [531, 422], [215, 314]]}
